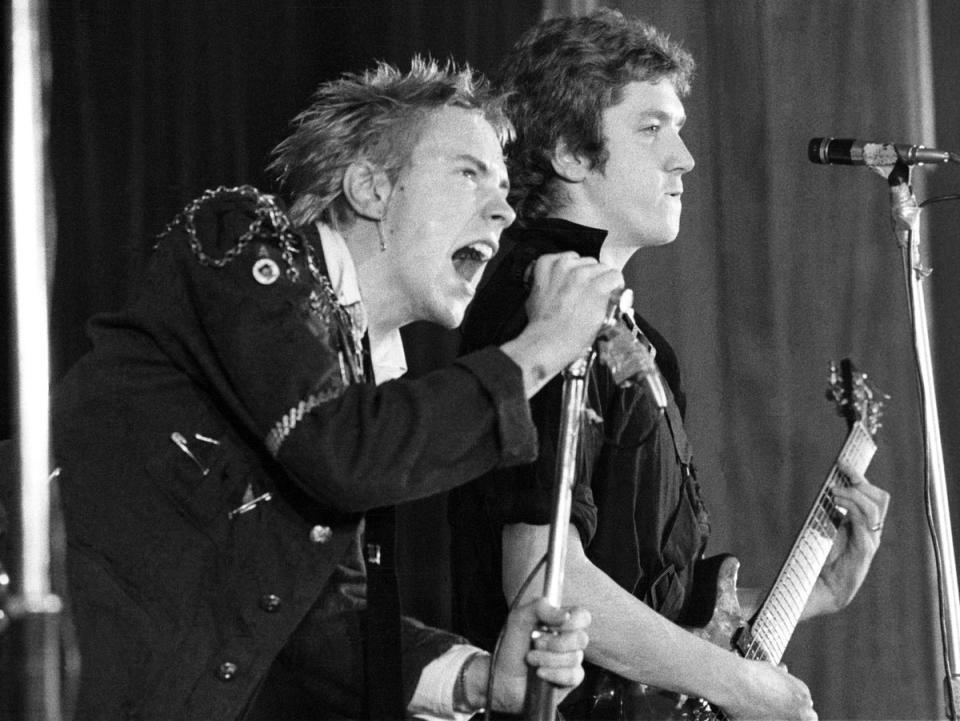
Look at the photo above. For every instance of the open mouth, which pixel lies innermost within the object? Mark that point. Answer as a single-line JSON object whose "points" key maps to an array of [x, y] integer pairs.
{"points": [[469, 260]]}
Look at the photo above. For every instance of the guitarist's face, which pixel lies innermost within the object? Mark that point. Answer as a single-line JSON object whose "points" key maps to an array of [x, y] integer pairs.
{"points": [[636, 194]]}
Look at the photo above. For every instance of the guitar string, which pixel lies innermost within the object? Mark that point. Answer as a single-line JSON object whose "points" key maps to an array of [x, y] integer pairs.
{"points": [[784, 602]]}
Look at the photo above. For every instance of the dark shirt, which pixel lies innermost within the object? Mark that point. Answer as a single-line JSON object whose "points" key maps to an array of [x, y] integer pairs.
{"points": [[234, 374], [636, 504]]}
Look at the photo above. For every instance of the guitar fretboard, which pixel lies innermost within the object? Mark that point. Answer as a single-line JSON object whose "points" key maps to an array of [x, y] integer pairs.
{"points": [[778, 617]]}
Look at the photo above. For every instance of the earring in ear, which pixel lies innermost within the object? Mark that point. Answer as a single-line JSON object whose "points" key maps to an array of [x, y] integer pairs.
{"points": [[383, 242]]}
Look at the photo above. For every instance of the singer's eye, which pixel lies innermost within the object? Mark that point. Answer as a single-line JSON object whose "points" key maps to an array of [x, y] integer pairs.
{"points": [[469, 173], [651, 129]]}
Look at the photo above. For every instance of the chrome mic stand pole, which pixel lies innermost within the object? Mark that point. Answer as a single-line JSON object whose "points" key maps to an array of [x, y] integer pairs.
{"points": [[541, 697], [905, 214], [33, 608]]}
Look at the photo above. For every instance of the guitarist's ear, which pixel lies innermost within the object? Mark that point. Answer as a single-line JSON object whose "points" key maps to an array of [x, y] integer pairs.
{"points": [[570, 166]]}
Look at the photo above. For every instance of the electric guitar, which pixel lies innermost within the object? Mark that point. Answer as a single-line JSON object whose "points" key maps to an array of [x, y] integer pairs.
{"points": [[713, 609]]}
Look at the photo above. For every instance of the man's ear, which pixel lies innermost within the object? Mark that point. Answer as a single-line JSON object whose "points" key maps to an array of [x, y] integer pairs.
{"points": [[367, 188], [569, 165]]}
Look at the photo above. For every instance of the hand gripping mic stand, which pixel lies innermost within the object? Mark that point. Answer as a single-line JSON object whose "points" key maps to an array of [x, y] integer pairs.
{"points": [[905, 214]]}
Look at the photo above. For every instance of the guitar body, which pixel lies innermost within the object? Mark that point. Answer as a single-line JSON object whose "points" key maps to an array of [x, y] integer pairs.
{"points": [[712, 613]]}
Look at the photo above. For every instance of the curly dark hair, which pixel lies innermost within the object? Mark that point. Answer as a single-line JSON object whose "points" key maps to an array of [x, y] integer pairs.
{"points": [[378, 116], [560, 77]]}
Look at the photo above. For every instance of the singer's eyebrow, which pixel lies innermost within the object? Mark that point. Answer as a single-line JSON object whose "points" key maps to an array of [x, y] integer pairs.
{"points": [[482, 166]]}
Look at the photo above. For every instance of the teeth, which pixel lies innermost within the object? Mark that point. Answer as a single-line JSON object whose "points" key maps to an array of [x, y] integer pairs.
{"points": [[470, 260], [478, 251], [485, 251]]}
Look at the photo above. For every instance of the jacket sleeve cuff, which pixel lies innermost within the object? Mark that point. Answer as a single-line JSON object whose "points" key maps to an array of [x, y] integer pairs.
{"points": [[503, 380]]}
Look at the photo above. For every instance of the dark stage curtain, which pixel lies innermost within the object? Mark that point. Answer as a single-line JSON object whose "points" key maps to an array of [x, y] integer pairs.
{"points": [[780, 265]]}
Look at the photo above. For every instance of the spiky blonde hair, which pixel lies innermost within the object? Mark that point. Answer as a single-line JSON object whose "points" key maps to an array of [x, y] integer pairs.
{"points": [[376, 116]]}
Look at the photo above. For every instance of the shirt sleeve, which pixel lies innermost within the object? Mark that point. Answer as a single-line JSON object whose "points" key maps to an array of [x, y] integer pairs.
{"points": [[433, 697], [247, 315], [524, 493]]}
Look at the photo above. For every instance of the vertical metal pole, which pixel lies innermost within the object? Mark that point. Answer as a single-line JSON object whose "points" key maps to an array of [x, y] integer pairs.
{"points": [[34, 608], [906, 224], [541, 696]]}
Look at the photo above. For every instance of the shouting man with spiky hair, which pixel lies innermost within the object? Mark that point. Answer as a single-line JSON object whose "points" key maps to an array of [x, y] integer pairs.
{"points": [[231, 427]]}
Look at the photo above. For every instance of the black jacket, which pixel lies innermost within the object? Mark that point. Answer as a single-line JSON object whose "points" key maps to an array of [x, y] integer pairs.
{"points": [[229, 377]]}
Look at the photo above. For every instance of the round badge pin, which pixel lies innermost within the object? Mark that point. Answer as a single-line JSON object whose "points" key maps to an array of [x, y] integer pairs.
{"points": [[266, 271]]}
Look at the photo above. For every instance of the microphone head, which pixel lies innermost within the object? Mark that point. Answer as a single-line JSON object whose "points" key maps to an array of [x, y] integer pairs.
{"points": [[813, 149], [830, 151]]}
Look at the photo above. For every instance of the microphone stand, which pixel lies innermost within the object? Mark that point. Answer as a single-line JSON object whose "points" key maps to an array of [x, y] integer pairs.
{"points": [[541, 703], [33, 608], [905, 213], [541, 695]]}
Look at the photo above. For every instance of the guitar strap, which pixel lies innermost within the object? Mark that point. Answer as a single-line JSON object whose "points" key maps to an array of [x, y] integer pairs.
{"points": [[686, 532], [680, 441], [685, 457]]}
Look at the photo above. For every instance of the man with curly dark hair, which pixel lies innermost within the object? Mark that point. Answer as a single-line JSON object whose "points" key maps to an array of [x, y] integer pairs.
{"points": [[224, 439], [596, 168]]}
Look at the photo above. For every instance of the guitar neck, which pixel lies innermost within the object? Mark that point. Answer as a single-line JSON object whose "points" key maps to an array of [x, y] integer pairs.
{"points": [[778, 616]]}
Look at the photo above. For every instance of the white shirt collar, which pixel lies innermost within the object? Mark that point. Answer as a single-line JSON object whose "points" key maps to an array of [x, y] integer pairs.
{"points": [[386, 352]]}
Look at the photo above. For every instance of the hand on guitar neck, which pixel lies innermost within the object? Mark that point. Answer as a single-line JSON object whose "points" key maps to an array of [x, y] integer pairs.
{"points": [[857, 541]]}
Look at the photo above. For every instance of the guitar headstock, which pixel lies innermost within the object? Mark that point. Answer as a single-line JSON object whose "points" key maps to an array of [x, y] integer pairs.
{"points": [[857, 400]]}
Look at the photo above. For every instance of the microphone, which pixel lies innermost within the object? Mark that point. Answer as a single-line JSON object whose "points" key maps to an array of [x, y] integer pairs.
{"points": [[622, 346], [627, 352], [847, 151]]}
